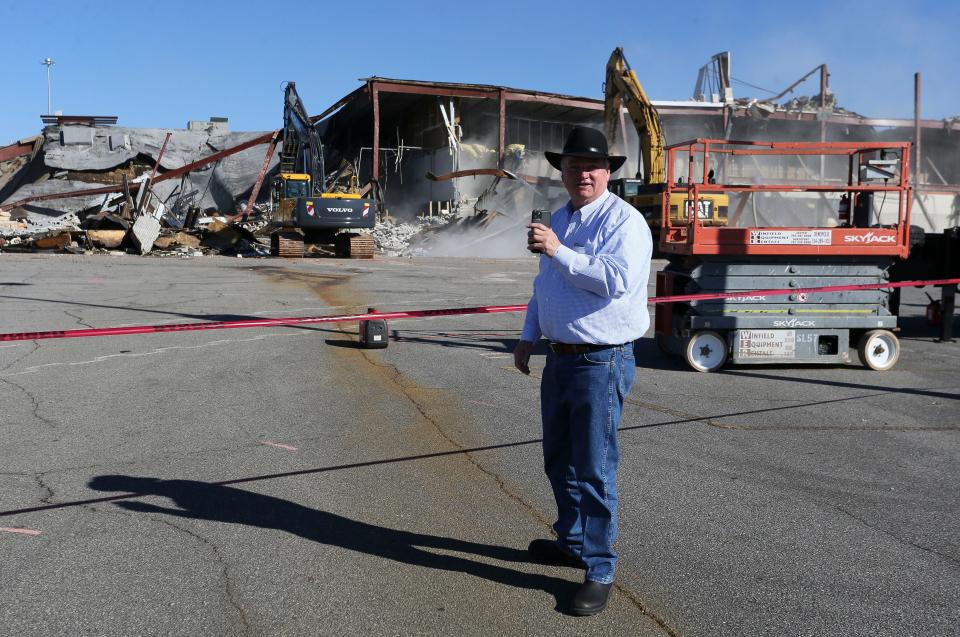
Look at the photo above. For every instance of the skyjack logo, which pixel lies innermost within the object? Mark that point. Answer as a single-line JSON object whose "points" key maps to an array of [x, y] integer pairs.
{"points": [[870, 237], [794, 323], [745, 299]]}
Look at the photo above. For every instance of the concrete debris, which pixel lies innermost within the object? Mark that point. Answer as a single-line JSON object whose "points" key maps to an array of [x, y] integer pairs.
{"points": [[148, 237], [145, 231], [800, 104], [77, 158], [74, 158], [105, 238], [394, 239], [41, 211], [53, 241], [177, 240]]}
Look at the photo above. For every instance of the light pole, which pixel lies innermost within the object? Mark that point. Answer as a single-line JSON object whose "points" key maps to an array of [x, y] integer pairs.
{"points": [[48, 62]]}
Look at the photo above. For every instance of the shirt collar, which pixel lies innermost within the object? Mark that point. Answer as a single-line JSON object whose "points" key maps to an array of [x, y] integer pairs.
{"points": [[590, 208]]}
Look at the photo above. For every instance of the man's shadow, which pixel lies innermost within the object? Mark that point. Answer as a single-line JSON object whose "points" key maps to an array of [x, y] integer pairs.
{"points": [[210, 501]]}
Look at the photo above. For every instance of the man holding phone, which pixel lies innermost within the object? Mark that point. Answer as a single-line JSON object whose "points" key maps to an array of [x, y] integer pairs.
{"points": [[590, 301]]}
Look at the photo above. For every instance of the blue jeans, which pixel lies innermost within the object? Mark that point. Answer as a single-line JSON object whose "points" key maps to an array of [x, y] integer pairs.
{"points": [[581, 399]]}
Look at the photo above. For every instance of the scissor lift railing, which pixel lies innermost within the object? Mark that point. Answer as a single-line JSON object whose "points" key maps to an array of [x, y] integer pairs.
{"points": [[702, 156]]}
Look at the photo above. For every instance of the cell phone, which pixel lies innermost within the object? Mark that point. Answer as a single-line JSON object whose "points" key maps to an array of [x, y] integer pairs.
{"points": [[540, 216]]}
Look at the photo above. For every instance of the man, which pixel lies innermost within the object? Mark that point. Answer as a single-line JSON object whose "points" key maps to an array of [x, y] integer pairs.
{"points": [[590, 301]]}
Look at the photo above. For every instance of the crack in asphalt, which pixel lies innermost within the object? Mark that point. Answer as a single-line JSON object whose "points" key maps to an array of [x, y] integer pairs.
{"points": [[659, 621], [78, 319], [45, 490], [894, 537], [36, 346], [35, 402], [228, 587]]}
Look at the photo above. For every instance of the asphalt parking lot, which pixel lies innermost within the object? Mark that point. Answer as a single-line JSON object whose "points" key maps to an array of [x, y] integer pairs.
{"points": [[281, 481]]}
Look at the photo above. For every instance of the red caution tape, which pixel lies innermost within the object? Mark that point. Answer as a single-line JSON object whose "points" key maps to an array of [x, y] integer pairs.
{"points": [[414, 314]]}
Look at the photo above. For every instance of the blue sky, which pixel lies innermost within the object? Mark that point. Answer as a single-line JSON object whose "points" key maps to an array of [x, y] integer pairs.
{"points": [[161, 64]]}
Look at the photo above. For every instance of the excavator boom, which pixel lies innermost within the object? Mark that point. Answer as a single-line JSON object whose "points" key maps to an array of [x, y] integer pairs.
{"points": [[622, 88]]}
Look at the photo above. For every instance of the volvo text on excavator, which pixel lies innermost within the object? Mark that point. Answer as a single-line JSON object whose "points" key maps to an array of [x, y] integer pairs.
{"points": [[622, 88], [308, 212]]}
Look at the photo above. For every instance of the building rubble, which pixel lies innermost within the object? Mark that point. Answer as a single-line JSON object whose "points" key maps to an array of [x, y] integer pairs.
{"points": [[129, 164], [394, 137]]}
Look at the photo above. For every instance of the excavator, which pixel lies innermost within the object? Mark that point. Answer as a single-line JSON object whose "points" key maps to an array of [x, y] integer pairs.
{"points": [[308, 212], [645, 193]]}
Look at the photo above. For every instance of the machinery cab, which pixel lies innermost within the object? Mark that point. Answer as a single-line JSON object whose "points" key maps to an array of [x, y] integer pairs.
{"points": [[294, 185], [288, 189], [299, 207], [712, 209]]}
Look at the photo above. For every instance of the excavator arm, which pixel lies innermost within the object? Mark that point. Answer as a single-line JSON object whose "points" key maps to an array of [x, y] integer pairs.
{"points": [[301, 151], [622, 88]]}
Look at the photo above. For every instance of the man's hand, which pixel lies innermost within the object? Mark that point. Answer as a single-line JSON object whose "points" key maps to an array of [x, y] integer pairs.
{"points": [[521, 355], [542, 239]]}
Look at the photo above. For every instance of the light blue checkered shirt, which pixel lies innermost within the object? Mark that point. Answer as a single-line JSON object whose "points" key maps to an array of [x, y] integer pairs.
{"points": [[594, 289]]}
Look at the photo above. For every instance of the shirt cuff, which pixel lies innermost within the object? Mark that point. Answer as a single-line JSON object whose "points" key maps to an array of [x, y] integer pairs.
{"points": [[564, 256]]}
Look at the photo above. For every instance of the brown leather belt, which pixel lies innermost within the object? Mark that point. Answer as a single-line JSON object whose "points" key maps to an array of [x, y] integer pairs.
{"points": [[576, 348]]}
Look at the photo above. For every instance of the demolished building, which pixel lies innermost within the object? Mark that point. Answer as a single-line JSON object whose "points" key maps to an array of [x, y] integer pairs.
{"points": [[409, 137], [415, 127]]}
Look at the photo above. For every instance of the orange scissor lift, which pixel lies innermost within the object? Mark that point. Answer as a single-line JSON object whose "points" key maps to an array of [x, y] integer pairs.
{"points": [[843, 237]]}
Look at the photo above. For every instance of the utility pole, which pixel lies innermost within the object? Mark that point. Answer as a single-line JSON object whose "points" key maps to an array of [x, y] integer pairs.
{"points": [[48, 62]]}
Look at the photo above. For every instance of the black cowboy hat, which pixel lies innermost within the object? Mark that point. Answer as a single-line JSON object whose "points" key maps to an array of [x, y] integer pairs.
{"points": [[585, 142]]}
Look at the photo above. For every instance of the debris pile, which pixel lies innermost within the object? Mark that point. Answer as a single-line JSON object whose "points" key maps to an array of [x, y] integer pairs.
{"points": [[800, 104], [144, 190], [395, 238]]}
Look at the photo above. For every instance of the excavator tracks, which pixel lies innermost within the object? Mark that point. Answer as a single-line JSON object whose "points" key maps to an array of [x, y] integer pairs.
{"points": [[348, 245], [286, 244], [354, 245]]}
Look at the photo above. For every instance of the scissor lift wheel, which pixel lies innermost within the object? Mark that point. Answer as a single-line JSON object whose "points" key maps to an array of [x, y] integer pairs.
{"points": [[879, 350], [706, 351]]}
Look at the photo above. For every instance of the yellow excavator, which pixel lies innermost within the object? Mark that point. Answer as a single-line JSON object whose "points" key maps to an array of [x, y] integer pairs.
{"points": [[622, 88], [307, 211]]}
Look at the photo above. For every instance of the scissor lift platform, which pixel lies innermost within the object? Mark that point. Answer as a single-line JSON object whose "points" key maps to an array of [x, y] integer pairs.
{"points": [[816, 327]]}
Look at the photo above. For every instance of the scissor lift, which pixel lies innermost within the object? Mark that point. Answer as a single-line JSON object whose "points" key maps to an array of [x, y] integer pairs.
{"points": [[847, 246]]}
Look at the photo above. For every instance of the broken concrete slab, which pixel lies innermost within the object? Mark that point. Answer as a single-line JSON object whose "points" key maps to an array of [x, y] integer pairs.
{"points": [[106, 238], [144, 232], [166, 242], [76, 136], [125, 150], [53, 241], [56, 207]]}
